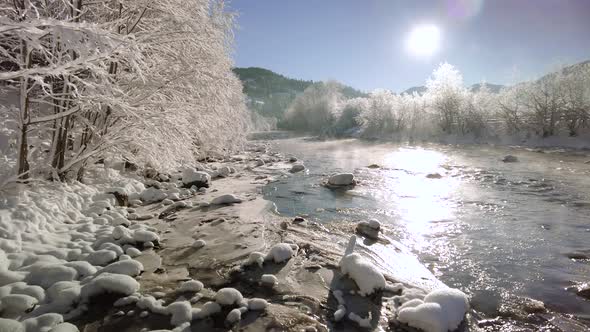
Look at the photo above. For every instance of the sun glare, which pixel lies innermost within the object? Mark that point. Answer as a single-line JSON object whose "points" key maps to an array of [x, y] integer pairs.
{"points": [[423, 40]]}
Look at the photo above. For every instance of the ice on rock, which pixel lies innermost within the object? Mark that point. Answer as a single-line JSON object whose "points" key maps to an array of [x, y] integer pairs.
{"points": [[191, 286], [233, 316], [257, 304], [152, 195], [225, 199], [101, 257], [281, 252], [367, 276], [110, 283], [128, 267], [181, 312], [269, 280], [228, 296]]}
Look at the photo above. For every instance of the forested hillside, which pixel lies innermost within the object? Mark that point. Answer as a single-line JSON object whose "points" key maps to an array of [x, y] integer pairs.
{"points": [[270, 94]]}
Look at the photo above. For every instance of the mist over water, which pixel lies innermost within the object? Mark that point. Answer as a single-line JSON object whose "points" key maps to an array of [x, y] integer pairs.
{"points": [[490, 228]]}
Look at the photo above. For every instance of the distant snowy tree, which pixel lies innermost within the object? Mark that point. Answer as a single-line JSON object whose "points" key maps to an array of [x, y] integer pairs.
{"points": [[446, 92]]}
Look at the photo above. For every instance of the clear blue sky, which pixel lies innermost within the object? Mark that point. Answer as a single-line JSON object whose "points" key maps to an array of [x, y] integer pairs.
{"points": [[361, 42]]}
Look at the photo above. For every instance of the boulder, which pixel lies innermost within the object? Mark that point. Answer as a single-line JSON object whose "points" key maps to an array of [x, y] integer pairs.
{"points": [[342, 179], [192, 177], [297, 168]]}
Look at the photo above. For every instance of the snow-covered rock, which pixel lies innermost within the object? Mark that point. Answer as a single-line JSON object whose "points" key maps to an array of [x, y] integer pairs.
{"points": [[181, 312], [191, 286], [226, 199], [281, 252], [342, 179], [109, 283], [152, 195], [192, 177], [442, 310], [233, 316], [45, 275], [101, 257], [128, 267], [255, 257], [369, 228], [208, 309], [367, 276], [269, 280], [362, 322], [142, 235], [228, 296], [297, 168], [65, 327], [132, 252], [257, 304], [11, 325]]}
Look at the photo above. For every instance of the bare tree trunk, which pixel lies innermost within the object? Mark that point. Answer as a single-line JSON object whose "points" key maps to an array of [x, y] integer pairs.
{"points": [[23, 167]]}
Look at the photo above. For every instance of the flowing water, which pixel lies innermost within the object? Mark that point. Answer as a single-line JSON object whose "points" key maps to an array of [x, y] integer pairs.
{"points": [[490, 228]]}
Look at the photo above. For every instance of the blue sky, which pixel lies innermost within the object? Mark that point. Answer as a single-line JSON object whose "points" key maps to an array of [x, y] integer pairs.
{"points": [[361, 43]]}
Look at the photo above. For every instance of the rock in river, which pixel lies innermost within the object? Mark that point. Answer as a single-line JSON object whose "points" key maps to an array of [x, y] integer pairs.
{"points": [[342, 179], [510, 159], [297, 168]]}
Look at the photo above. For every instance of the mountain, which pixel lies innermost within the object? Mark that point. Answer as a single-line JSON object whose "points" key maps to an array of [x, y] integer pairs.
{"points": [[494, 88], [270, 94], [419, 89]]}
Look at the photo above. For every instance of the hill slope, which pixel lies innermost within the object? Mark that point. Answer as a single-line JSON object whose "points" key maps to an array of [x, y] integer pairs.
{"points": [[270, 93]]}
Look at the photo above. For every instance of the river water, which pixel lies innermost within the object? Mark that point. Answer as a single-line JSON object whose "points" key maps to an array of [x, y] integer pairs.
{"points": [[492, 229]]}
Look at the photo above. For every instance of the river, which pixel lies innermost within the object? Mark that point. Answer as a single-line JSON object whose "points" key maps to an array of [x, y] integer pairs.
{"points": [[492, 229]]}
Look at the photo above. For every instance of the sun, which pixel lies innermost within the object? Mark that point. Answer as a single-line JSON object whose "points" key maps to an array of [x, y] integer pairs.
{"points": [[423, 40]]}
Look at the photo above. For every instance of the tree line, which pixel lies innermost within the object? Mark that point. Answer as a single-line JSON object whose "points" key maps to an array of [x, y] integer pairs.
{"points": [[556, 105]]}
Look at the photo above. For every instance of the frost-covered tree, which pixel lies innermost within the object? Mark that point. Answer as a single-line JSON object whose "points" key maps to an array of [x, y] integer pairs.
{"points": [[316, 108], [446, 92], [141, 80]]}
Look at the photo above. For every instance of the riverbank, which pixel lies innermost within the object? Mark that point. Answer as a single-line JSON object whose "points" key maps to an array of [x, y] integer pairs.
{"points": [[122, 247], [185, 250]]}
